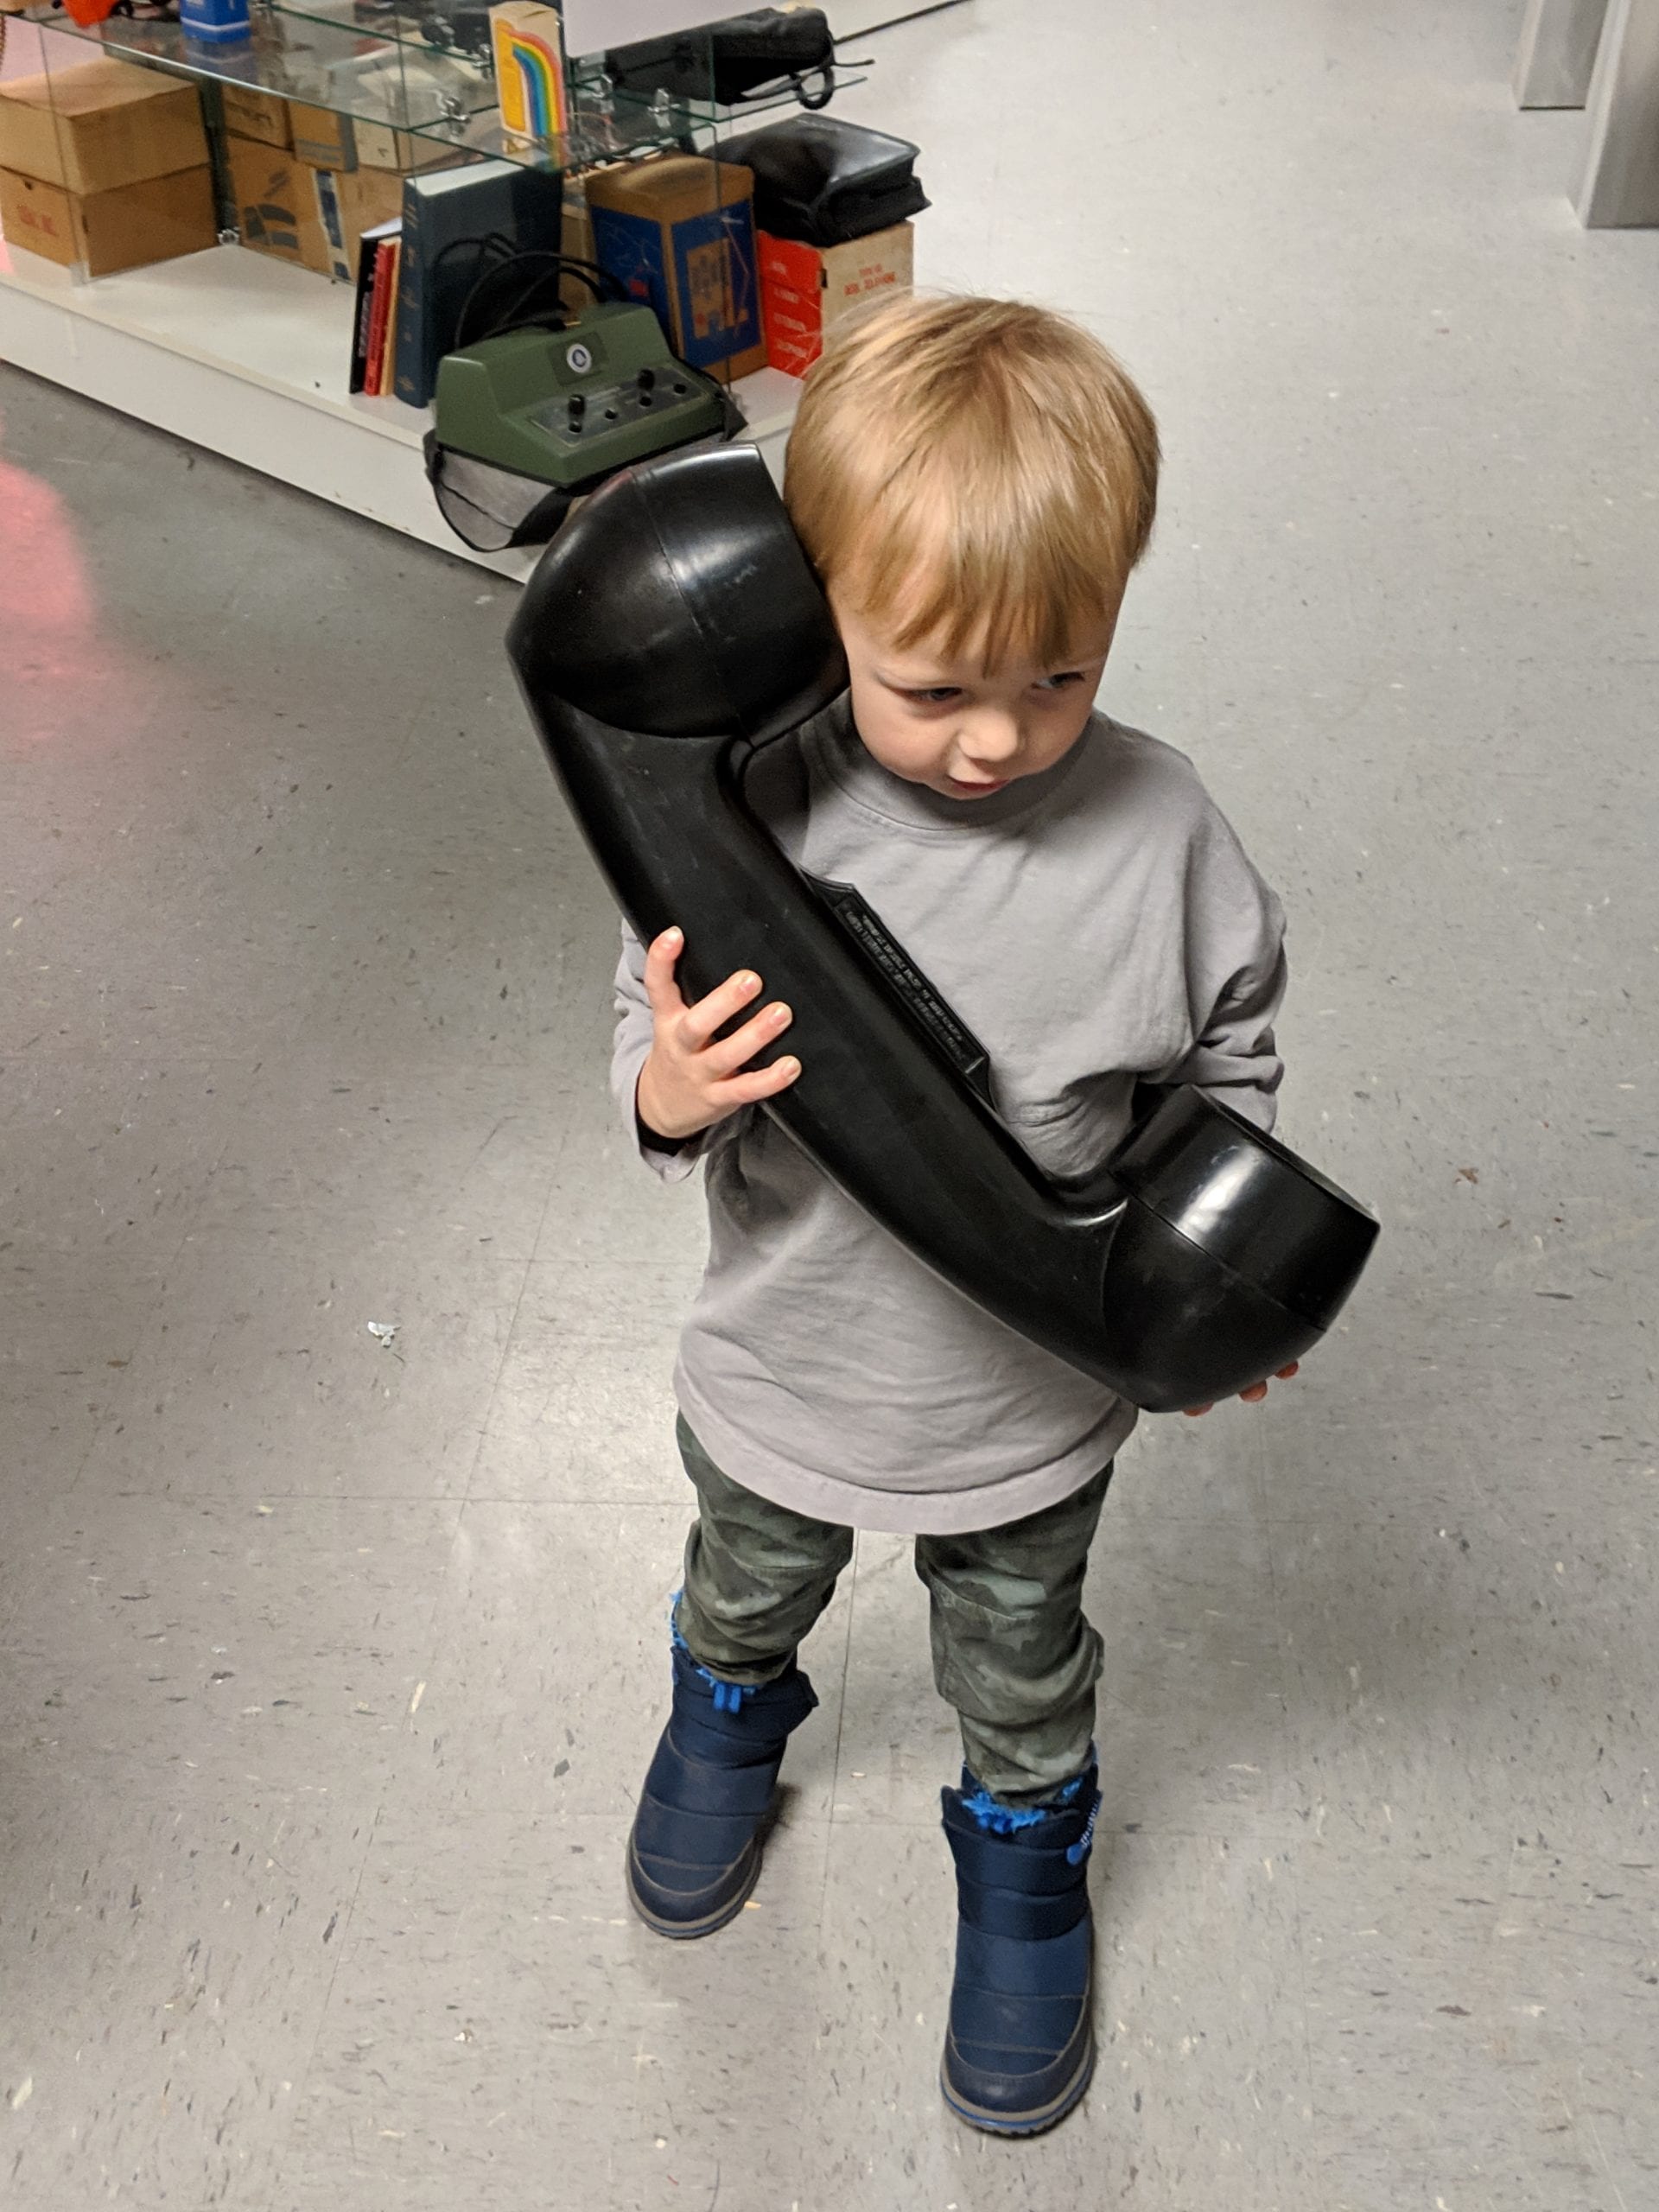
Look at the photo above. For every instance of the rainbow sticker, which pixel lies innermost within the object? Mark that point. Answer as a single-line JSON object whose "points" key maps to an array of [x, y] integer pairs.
{"points": [[529, 68]]}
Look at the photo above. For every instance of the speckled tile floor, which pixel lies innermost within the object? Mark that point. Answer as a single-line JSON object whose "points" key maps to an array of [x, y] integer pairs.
{"points": [[327, 1671]]}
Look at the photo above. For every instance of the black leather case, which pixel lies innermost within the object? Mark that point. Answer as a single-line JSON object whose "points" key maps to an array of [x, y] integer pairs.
{"points": [[824, 181], [726, 61]]}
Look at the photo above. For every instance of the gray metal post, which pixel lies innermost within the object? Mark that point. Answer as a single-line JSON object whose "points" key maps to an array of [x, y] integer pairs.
{"points": [[1621, 178], [1557, 54]]}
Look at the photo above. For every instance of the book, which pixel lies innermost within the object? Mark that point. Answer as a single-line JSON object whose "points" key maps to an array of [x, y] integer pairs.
{"points": [[392, 254], [379, 317], [367, 260], [448, 217]]}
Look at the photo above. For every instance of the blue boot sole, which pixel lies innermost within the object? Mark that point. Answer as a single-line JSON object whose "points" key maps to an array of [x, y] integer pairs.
{"points": [[1035, 2122], [686, 1931]]}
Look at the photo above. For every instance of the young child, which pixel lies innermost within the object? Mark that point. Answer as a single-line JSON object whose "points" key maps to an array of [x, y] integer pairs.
{"points": [[974, 481]]}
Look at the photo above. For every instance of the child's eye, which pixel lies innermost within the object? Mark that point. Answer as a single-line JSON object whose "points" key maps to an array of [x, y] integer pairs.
{"points": [[1061, 682], [936, 695]]}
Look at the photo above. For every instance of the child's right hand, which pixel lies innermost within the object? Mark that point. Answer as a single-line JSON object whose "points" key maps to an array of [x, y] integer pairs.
{"points": [[691, 1080]]}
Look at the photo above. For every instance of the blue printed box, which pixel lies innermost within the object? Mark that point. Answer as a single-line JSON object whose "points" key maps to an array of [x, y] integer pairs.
{"points": [[218, 21], [678, 233]]}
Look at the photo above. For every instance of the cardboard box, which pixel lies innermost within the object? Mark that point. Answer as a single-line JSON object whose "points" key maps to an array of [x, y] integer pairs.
{"points": [[157, 219], [575, 239], [319, 137], [260, 116], [315, 218], [99, 126], [380, 146], [328, 140], [349, 202], [577, 233], [277, 210], [678, 233], [805, 290]]}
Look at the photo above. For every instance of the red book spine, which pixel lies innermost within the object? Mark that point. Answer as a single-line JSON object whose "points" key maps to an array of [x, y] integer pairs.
{"points": [[379, 314], [388, 384]]}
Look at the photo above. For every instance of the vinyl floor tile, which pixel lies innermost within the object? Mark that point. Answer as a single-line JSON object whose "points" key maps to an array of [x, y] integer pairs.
{"points": [[260, 1377], [464, 2050], [549, 1676], [273, 1646], [166, 1975]]}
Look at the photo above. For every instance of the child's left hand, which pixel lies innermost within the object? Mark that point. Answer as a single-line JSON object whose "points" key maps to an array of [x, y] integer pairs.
{"points": [[1254, 1395]]}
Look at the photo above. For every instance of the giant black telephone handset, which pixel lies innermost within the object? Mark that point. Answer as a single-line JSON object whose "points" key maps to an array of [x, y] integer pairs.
{"points": [[672, 628]]}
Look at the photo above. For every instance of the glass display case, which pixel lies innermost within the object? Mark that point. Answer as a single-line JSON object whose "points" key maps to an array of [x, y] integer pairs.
{"points": [[332, 106], [427, 74]]}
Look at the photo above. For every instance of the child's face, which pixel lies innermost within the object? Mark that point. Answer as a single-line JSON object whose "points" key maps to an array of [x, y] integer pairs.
{"points": [[961, 729]]}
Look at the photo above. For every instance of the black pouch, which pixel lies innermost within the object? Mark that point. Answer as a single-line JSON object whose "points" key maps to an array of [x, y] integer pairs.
{"points": [[824, 181], [491, 509], [727, 62]]}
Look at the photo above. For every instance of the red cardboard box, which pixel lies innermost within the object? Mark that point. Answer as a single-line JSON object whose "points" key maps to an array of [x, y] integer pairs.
{"points": [[805, 290]]}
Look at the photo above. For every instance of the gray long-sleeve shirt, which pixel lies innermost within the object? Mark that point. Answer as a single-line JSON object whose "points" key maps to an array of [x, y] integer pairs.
{"points": [[1094, 926]]}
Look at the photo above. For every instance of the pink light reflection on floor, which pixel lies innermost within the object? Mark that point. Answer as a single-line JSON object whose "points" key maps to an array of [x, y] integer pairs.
{"points": [[49, 636]]}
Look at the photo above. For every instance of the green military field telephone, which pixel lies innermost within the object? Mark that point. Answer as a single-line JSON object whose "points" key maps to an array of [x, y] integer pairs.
{"points": [[568, 407]]}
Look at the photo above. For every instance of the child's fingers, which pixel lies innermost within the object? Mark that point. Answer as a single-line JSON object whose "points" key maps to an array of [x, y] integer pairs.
{"points": [[1193, 1412], [730, 1054], [764, 1083], [700, 1021], [1285, 1373], [662, 955], [1254, 1395]]}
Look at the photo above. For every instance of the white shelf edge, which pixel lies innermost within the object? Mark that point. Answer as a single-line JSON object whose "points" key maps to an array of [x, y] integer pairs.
{"points": [[188, 346]]}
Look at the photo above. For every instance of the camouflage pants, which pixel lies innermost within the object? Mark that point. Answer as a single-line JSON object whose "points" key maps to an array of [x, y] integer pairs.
{"points": [[1012, 1650]]}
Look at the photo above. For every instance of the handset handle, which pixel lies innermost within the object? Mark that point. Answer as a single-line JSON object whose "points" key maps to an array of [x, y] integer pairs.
{"points": [[880, 1105]]}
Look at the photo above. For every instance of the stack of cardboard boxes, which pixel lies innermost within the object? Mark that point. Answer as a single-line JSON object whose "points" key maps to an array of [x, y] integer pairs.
{"points": [[307, 182], [680, 232], [104, 167]]}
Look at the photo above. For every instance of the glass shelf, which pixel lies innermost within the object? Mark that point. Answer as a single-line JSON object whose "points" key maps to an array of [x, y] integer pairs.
{"points": [[459, 32], [610, 122], [331, 64], [426, 70]]}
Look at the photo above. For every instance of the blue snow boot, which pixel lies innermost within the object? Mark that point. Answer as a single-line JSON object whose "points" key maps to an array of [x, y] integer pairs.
{"points": [[694, 1851], [1020, 2046]]}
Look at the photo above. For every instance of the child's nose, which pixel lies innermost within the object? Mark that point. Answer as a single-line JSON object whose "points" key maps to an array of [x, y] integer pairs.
{"points": [[992, 739]]}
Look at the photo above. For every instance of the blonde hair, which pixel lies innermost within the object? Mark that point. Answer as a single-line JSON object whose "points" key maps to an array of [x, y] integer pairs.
{"points": [[982, 472]]}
